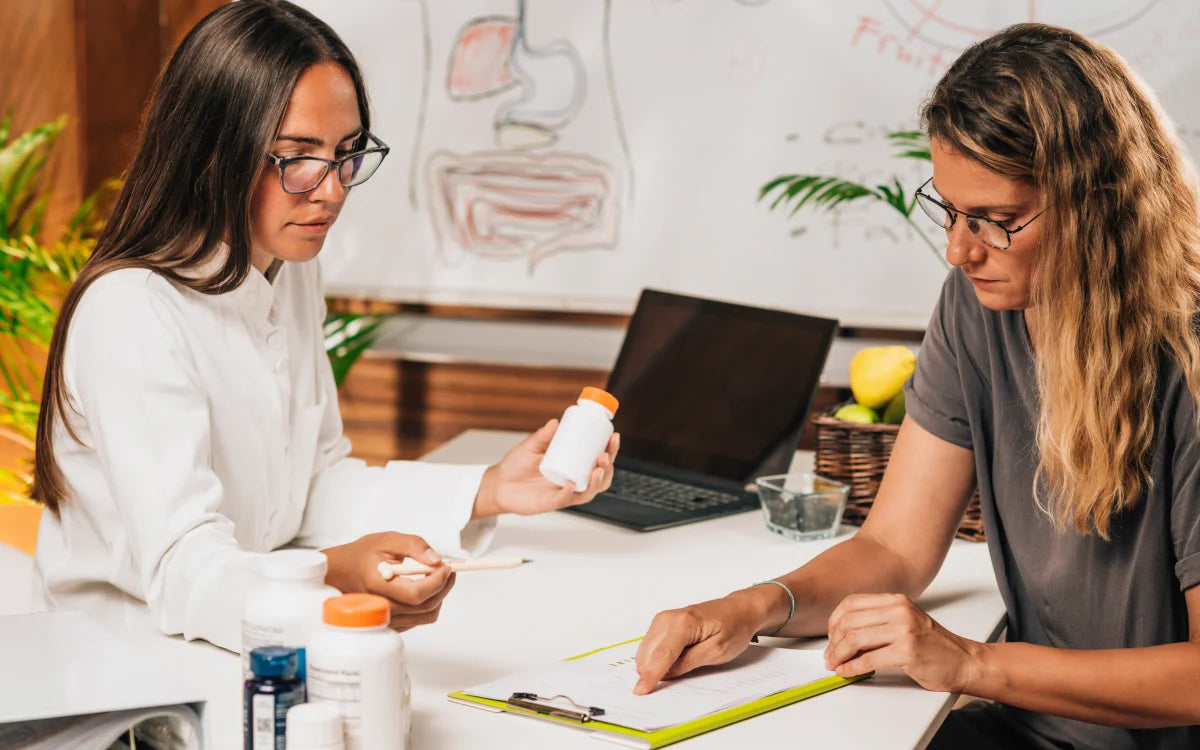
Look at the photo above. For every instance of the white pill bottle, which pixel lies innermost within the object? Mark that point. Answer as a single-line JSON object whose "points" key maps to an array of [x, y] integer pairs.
{"points": [[285, 610], [357, 664], [315, 726], [581, 437]]}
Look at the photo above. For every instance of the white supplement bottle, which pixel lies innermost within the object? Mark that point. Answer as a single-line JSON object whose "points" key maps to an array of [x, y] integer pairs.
{"points": [[314, 726], [357, 664], [285, 610], [581, 437]]}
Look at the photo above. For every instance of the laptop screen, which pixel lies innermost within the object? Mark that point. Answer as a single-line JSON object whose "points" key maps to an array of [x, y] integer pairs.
{"points": [[712, 387]]}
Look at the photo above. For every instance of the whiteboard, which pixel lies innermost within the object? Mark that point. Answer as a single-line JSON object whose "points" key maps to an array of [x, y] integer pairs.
{"points": [[561, 155]]}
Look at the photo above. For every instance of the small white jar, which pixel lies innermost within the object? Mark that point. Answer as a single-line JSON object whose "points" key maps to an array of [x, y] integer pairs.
{"points": [[315, 726], [285, 610], [357, 664], [581, 437]]}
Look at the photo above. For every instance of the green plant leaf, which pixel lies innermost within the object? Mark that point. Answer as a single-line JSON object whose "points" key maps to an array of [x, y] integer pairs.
{"points": [[40, 139], [893, 195], [14, 488], [85, 222], [347, 337], [22, 163], [819, 191], [765, 189], [5, 128], [911, 144]]}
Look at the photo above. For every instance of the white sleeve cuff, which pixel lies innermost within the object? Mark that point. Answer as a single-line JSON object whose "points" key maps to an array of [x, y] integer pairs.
{"points": [[433, 501], [438, 500]]}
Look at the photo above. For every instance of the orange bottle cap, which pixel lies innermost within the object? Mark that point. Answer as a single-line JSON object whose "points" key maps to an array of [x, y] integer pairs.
{"points": [[356, 611], [604, 398]]}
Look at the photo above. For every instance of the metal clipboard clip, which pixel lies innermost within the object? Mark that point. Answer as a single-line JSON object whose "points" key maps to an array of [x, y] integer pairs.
{"points": [[541, 705]]}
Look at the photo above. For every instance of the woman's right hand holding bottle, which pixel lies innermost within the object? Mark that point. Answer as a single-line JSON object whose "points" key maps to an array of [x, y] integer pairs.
{"points": [[354, 568]]}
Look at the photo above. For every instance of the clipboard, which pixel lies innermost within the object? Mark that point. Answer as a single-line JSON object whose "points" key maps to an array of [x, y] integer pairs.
{"points": [[591, 718]]}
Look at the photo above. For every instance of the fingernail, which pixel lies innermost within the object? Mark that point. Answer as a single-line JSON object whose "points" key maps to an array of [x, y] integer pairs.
{"points": [[432, 557]]}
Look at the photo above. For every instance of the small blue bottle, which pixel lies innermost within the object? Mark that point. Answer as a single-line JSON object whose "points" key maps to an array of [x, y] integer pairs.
{"points": [[269, 693]]}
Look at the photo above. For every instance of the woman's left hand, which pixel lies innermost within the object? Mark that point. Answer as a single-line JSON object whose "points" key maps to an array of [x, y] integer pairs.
{"points": [[516, 486], [872, 631]]}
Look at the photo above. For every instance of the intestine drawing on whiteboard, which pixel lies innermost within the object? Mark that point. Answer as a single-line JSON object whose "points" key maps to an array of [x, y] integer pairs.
{"points": [[513, 184]]}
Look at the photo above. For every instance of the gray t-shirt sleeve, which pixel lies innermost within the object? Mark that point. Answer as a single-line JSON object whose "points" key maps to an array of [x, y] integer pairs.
{"points": [[934, 396], [1185, 494]]}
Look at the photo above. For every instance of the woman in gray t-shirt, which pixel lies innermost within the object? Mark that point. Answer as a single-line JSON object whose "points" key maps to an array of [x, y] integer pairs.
{"points": [[1060, 375]]}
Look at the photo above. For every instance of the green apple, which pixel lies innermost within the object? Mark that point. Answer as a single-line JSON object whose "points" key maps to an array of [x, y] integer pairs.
{"points": [[857, 413]]}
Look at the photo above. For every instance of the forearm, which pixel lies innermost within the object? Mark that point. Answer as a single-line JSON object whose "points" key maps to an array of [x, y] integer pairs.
{"points": [[1133, 688], [856, 566]]}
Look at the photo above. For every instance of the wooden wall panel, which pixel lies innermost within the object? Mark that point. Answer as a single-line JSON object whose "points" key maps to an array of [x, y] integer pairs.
{"points": [[38, 83], [399, 409], [178, 17], [395, 409], [118, 62], [96, 62]]}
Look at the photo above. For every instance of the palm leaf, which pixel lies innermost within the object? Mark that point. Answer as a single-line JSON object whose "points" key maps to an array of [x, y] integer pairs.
{"points": [[828, 193], [911, 144], [893, 195], [14, 488], [819, 191], [22, 163], [347, 337], [21, 195], [86, 222]]}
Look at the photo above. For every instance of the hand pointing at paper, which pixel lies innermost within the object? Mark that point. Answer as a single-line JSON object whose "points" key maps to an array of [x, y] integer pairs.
{"points": [[704, 634]]}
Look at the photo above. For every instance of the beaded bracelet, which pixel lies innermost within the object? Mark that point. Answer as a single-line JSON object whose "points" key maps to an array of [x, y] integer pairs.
{"points": [[791, 598]]}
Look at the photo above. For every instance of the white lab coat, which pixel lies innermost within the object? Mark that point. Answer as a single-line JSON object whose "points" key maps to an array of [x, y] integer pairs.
{"points": [[211, 435]]}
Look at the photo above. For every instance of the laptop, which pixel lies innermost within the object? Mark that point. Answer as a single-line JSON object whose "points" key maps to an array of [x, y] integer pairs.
{"points": [[713, 394]]}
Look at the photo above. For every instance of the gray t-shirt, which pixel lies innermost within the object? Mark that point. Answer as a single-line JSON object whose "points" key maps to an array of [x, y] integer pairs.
{"points": [[975, 386]]}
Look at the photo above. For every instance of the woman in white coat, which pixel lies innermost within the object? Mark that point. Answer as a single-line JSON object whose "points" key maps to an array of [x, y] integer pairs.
{"points": [[189, 420]]}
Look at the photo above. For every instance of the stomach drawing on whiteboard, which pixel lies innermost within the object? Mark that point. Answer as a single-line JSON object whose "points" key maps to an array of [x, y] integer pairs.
{"points": [[963, 22], [506, 164]]}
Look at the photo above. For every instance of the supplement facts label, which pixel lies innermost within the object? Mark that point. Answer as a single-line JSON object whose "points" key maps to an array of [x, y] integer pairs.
{"points": [[254, 636], [343, 688]]}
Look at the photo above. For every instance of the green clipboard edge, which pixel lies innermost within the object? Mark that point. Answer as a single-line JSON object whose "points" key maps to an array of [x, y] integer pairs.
{"points": [[670, 735]]}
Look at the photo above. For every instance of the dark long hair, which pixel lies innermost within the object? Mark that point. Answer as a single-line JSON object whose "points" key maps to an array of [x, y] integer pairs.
{"points": [[1117, 278], [211, 120]]}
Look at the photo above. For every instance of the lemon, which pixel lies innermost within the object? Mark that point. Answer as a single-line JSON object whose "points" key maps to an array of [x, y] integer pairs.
{"points": [[857, 413], [894, 413], [877, 374]]}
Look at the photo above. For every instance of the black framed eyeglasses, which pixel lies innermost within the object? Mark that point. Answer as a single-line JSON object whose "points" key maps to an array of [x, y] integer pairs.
{"points": [[301, 174], [989, 232]]}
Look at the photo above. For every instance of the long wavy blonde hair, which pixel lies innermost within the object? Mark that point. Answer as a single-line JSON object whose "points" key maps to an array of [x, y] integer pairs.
{"points": [[1116, 281]]}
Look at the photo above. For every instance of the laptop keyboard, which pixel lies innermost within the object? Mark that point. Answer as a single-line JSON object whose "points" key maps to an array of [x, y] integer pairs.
{"points": [[666, 494]]}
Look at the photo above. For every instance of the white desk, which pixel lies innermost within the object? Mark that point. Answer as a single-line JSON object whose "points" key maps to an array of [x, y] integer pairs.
{"points": [[593, 584]]}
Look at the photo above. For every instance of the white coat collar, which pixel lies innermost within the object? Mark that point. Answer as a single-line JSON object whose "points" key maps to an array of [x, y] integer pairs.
{"points": [[254, 297]]}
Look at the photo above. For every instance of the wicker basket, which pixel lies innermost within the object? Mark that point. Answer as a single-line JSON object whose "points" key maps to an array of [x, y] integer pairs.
{"points": [[857, 454]]}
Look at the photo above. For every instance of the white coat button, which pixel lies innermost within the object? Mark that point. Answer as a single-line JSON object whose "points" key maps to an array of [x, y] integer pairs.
{"points": [[275, 339]]}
